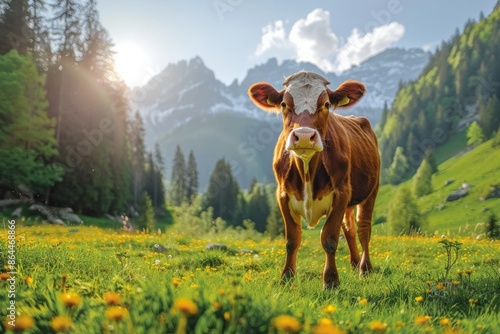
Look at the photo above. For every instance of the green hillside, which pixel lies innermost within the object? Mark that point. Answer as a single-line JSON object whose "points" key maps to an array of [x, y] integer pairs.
{"points": [[479, 167], [460, 81]]}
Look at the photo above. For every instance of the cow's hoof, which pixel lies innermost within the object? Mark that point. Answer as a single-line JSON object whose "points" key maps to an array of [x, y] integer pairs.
{"points": [[330, 286]]}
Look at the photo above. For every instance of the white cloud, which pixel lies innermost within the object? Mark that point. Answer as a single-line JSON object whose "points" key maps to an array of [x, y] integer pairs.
{"points": [[273, 36], [313, 41], [359, 48]]}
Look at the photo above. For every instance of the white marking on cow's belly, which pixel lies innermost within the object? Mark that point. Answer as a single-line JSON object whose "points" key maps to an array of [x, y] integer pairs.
{"points": [[311, 209]]}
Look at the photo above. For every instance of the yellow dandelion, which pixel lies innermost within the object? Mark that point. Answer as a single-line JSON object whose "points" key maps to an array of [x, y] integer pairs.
{"points": [[363, 301], [227, 316], [468, 272], [185, 306], [286, 324], [330, 309], [459, 272], [455, 283], [473, 301], [70, 299], [422, 319], [21, 324], [444, 321], [326, 326], [378, 326], [4, 276], [112, 298], [116, 313], [440, 286], [28, 280], [429, 283], [419, 299], [216, 305], [61, 324], [176, 282]]}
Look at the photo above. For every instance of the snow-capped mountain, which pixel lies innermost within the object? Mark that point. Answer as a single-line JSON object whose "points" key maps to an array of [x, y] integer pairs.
{"points": [[186, 104]]}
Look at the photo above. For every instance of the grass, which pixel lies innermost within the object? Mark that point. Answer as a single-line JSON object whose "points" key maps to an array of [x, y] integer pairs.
{"points": [[187, 289], [480, 168]]}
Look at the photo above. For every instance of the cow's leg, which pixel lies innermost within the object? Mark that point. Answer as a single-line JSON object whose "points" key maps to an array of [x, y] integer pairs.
{"points": [[365, 212], [293, 236], [329, 240], [349, 230]]}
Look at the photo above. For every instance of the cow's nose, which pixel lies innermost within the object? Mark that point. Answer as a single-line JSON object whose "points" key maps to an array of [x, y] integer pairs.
{"points": [[304, 137]]}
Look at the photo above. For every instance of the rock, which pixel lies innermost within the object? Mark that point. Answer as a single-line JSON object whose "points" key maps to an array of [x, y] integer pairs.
{"points": [[71, 217], [55, 221], [17, 213], [456, 195], [41, 210], [494, 192], [216, 246], [158, 248]]}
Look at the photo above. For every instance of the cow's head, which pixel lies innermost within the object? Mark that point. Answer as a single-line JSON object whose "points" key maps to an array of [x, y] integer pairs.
{"points": [[305, 104]]}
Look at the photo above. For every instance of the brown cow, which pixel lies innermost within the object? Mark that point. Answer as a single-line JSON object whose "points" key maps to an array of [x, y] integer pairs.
{"points": [[325, 165]]}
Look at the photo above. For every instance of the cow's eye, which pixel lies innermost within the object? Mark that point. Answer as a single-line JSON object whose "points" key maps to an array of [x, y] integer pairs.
{"points": [[328, 105], [283, 105]]}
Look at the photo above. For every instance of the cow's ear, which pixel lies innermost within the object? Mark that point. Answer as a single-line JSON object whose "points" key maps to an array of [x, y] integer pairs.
{"points": [[347, 94], [265, 96]]}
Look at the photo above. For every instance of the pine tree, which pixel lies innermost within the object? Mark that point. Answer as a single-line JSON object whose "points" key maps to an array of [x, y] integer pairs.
{"points": [[192, 178], [475, 134], [404, 216], [258, 207], [222, 193], [489, 116], [398, 170], [138, 154], [275, 226], [67, 32], [158, 195], [146, 219], [27, 143], [178, 178], [14, 29], [492, 228], [422, 181]]}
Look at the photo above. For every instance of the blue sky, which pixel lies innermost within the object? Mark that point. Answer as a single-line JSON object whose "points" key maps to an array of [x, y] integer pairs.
{"points": [[231, 36]]}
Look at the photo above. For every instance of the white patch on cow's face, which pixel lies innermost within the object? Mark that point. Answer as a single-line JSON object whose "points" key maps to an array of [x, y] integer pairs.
{"points": [[305, 90]]}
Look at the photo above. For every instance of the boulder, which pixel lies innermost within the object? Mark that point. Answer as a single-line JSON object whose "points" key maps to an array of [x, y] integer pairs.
{"points": [[216, 247], [17, 213], [494, 192], [41, 210], [70, 217], [457, 195]]}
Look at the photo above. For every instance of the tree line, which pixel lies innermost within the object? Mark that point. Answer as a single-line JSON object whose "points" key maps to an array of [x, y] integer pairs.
{"points": [[68, 137], [460, 83]]}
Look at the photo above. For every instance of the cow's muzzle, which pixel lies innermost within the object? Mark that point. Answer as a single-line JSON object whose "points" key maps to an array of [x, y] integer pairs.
{"points": [[304, 142]]}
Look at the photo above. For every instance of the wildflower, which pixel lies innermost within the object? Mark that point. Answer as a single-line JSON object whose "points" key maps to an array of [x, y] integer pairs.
{"points": [[4, 276], [61, 324], [419, 299], [378, 326], [329, 309], [473, 301], [176, 282], [459, 272], [227, 316], [116, 313], [286, 324], [216, 305], [444, 321], [422, 319], [440, 286], [112, 298], [28, 280], [326, 326], [185, 306], [455, 283], [70, 299], [429, 283], [363, 301], [22, 323], [468, 272]]}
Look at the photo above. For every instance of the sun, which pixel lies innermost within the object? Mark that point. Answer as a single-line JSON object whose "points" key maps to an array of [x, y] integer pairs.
{"points": [[132, 64]]}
